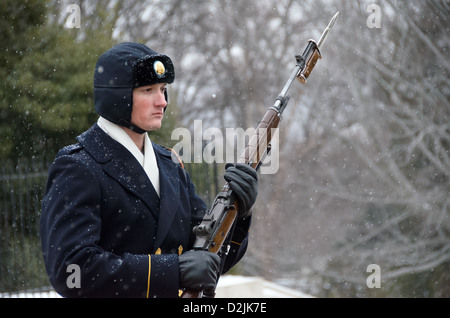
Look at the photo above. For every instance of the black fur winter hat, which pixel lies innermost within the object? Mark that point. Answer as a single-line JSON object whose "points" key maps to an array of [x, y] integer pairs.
{"points": [[121, 69]]}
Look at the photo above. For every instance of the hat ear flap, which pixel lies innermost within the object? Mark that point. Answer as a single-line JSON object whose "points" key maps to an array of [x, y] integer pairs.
{"points": [[167, 99]]}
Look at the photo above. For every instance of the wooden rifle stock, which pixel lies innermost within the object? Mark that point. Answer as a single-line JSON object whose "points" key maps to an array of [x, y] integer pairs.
{"points": [[219, 220]]}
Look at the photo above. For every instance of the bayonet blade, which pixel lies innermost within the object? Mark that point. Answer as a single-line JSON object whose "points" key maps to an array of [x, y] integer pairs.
{"points": [[327, 30]]}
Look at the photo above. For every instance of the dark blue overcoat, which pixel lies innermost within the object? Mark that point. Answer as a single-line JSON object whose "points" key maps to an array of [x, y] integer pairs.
{"points": [[101, 213]]}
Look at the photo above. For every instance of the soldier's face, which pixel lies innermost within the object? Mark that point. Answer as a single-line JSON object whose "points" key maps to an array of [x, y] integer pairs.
{"points": [[148, 106]]}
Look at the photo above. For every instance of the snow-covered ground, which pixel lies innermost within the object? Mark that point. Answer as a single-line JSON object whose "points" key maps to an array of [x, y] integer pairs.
{"points": [[234, 286], [230, 286], [31, 294]]}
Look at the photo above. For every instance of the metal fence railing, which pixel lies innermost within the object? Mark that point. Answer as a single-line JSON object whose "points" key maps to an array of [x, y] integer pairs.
{"points": [[21, 189]]}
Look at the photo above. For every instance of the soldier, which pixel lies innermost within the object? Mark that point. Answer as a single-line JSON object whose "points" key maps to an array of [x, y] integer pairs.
{"points": [[119, 207]]}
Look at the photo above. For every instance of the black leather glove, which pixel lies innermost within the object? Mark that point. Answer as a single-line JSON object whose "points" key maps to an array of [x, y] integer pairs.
{"points": [[243, 180], [198, 270]]}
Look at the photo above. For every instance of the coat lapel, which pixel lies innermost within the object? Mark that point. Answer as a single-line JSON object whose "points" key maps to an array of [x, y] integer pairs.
{"points": [[121, 165], [130, 174]]}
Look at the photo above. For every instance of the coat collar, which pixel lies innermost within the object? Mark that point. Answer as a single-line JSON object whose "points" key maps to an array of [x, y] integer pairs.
{"points": [[123, 167]]}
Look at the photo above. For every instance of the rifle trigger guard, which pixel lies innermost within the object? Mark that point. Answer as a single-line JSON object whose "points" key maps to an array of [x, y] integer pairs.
{"points": [[225, 249]]}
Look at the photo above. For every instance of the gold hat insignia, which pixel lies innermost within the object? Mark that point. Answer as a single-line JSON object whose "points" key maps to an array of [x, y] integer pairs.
{"points": [[159, 68]]}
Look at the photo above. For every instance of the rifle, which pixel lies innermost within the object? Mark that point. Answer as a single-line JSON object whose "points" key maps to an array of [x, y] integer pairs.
{"points": [[217, 223]]}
